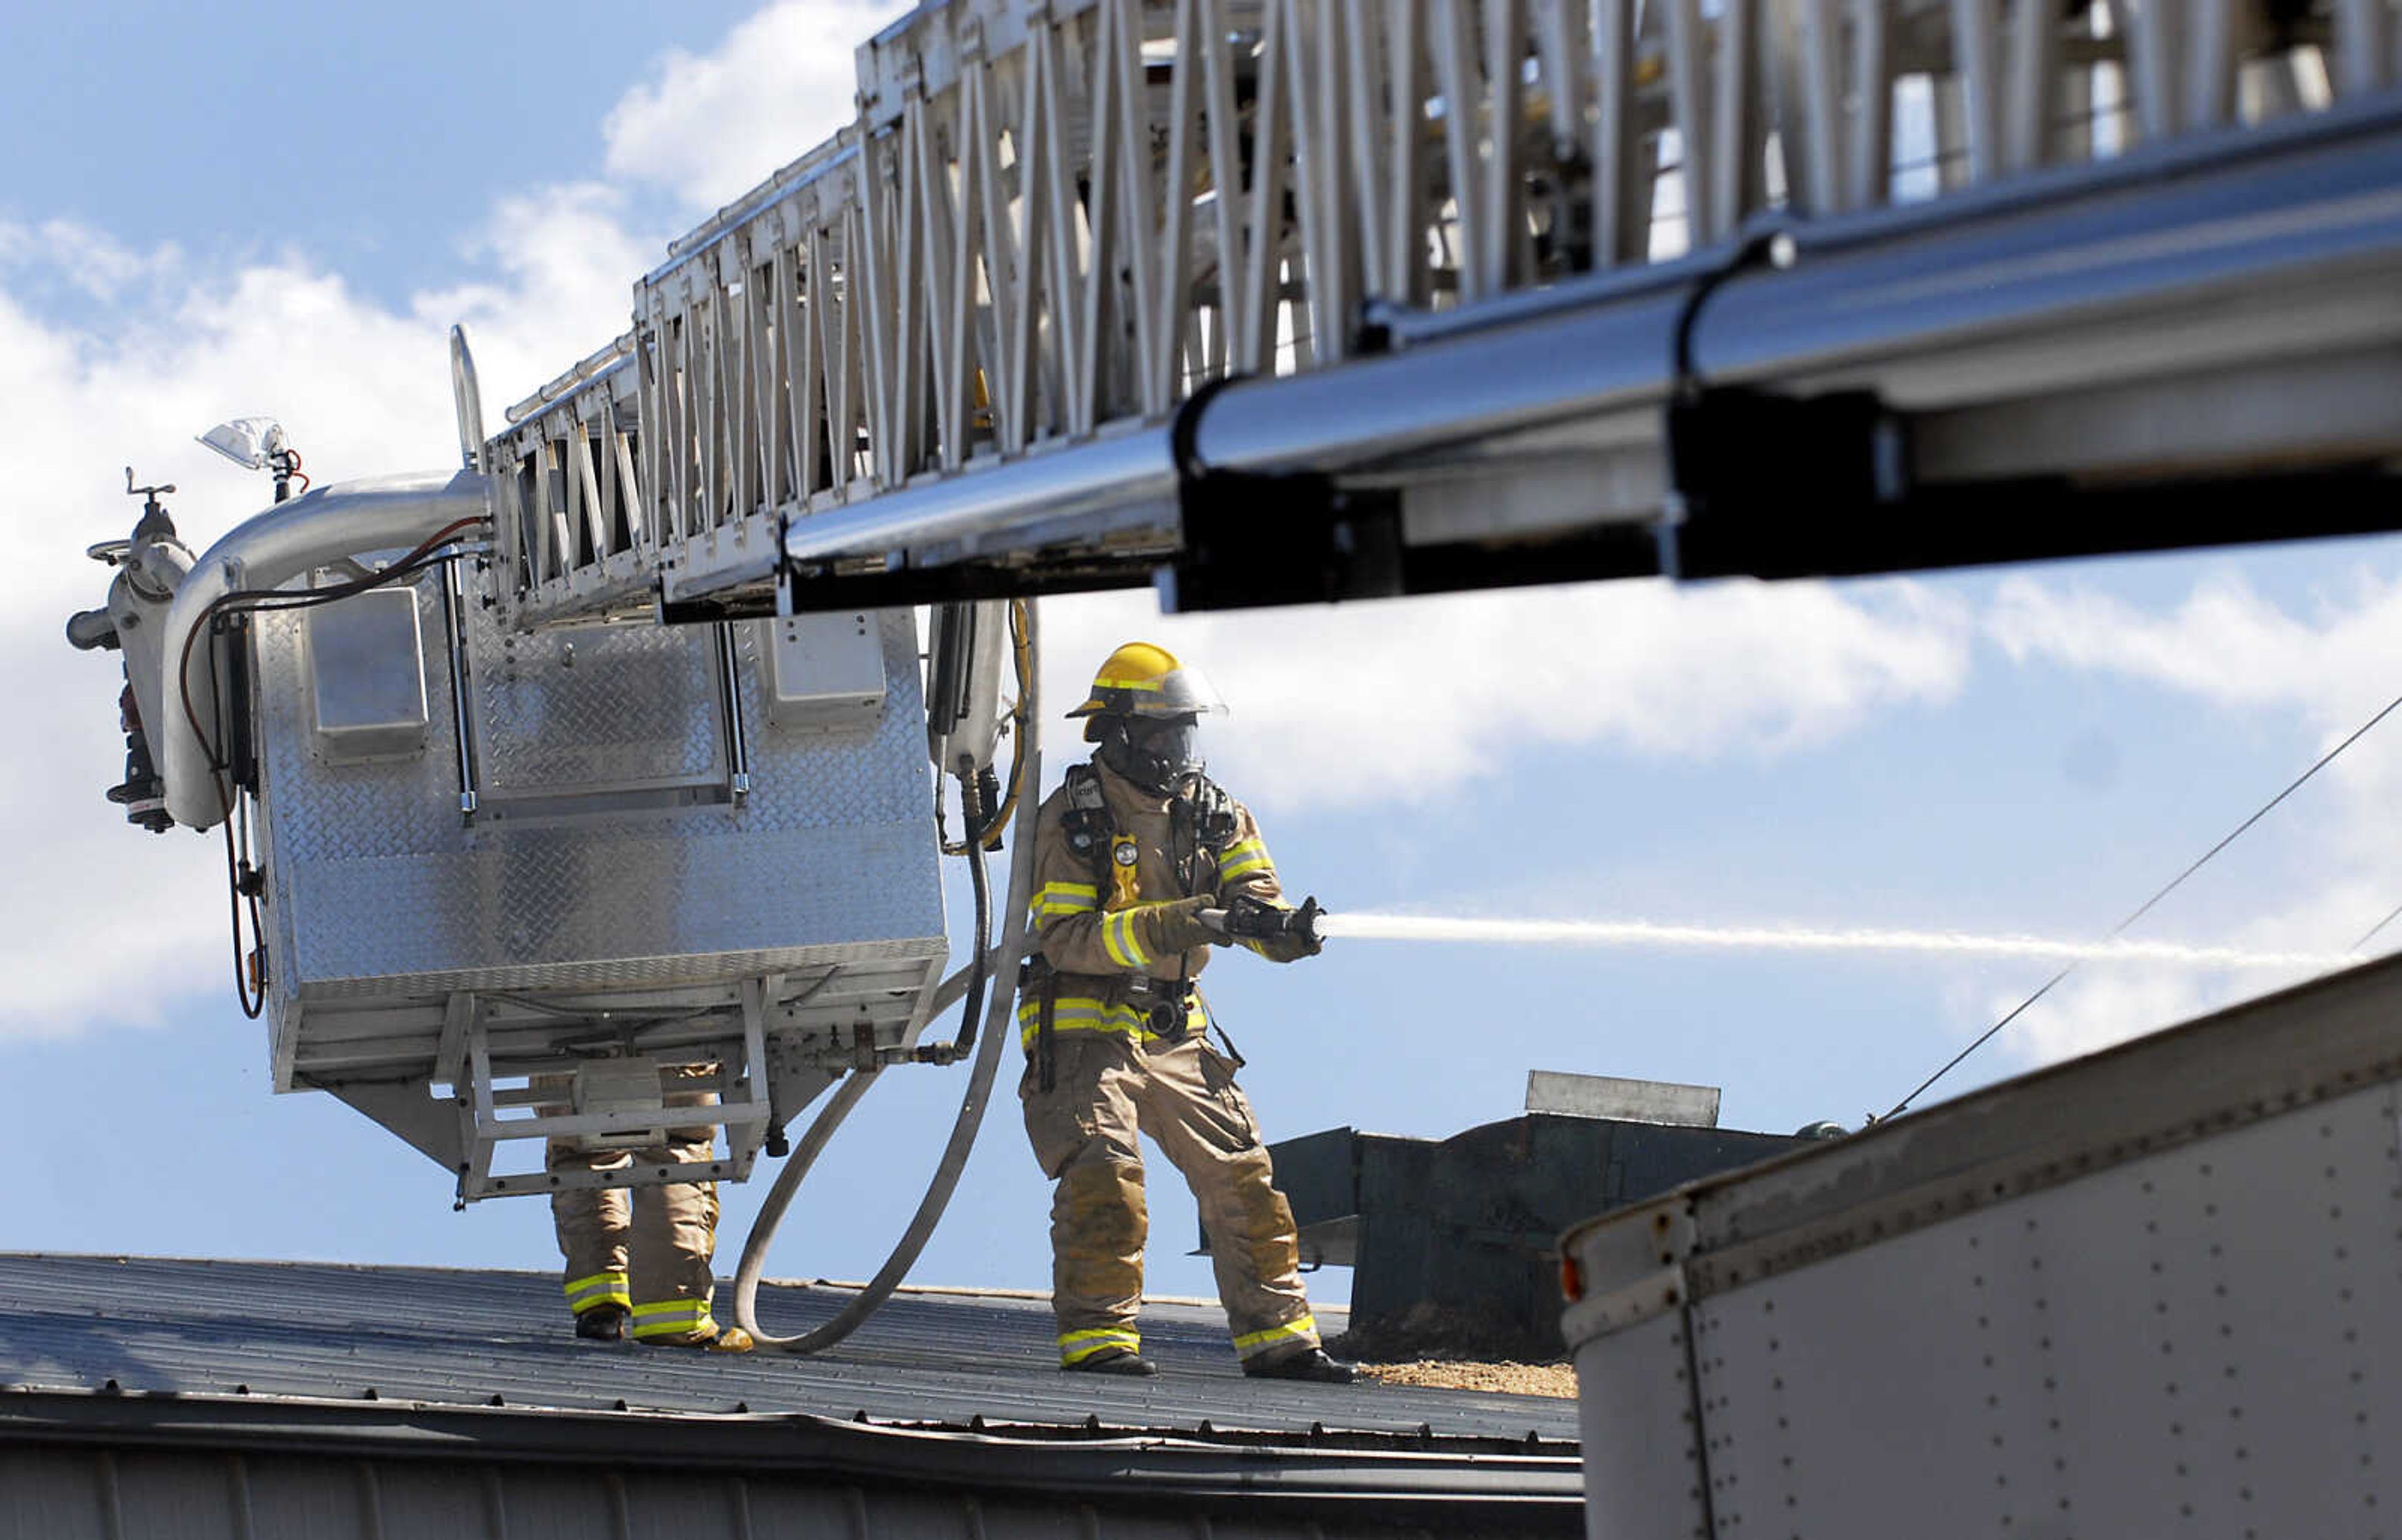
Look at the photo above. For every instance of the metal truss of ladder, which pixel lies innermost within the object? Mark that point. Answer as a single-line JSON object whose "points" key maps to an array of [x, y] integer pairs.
{"points": [[1296, 298]]}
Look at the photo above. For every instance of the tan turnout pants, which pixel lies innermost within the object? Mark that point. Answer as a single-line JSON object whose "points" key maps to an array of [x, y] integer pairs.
{"points": [[646, 1249], [1106, 1088]]}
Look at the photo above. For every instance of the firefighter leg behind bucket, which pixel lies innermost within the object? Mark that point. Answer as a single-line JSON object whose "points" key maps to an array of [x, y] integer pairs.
{"points": [[639, 1257]]}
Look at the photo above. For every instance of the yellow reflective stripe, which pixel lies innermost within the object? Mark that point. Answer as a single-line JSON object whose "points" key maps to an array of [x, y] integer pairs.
{"points": [[1241, 858], [1124, 1021], [1250, 1344], [1133, 941], [673, 1307], [580, 1284], [672, 1317], [1154, 685], [1064, 897], [1093, 1025], [1067, 1004], [1076, 1013], [1077, 1346], [1118, 938], [1086, 1024]]}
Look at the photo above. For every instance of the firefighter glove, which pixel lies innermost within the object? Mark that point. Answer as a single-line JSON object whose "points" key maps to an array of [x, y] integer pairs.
{"points": [[1177, 925]]}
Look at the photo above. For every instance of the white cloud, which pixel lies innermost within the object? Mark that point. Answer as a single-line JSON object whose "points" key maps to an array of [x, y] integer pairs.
{"points": [[2098, 1007], [710, 127], [1409, 699], [2223, 643], [566, 269], [2091, 1010], [125, 925], [2329, 666], [114, 924], [87, 260]]}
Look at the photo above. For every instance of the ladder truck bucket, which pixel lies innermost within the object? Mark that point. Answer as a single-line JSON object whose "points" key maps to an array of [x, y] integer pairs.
{"points": [[562, 884]]}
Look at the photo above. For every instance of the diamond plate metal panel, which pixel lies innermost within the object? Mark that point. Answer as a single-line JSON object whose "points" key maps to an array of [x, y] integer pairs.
{"points": [[594, 707], [806, 777], [568, 896], [378, 889], [586, 976], [564, 901], [315, 809]]}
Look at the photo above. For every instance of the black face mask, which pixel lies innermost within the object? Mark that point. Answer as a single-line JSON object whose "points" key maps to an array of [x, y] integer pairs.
{"points": [[1156, 755]]}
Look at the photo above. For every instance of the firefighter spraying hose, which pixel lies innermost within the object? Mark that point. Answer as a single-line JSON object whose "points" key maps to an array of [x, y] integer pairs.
{"points": [[1143, 866]]}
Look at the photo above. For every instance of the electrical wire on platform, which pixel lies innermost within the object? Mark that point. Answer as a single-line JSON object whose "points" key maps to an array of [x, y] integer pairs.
{"points": [[2145, 907]]}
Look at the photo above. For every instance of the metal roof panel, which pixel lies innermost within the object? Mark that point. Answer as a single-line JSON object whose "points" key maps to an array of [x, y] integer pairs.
{"points": [[463, 1338]]}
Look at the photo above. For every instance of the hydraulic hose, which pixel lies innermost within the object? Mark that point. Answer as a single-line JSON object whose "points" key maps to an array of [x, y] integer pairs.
{"points": [[980, 961], [1004, 961], [982, 979]]}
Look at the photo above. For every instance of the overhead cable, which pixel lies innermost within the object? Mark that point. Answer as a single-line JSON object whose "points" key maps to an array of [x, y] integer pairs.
{"points": [[2145, 907]]}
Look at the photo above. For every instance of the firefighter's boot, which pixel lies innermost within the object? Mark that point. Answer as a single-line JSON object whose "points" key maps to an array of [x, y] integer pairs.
{"points": [[1120, 1361], [1311, 1364], [718, 1338]]}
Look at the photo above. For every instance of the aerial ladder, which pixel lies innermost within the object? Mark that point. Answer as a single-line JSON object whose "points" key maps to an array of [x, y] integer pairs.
{"points": [[596, 762]]}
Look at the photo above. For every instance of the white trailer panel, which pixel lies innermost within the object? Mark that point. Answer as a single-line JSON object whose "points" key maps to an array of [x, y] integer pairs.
{"points": [[2153, 1291]]}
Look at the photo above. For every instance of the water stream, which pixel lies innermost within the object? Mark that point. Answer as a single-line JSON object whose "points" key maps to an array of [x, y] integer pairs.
{"points": [[1644, 933]]}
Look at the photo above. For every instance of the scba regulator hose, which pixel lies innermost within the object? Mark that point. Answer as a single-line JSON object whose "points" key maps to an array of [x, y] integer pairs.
{"points": [[1000, 968]]}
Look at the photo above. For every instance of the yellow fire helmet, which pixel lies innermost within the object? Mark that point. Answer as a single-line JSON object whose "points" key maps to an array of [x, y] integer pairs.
{"points": [[1143, 680]]}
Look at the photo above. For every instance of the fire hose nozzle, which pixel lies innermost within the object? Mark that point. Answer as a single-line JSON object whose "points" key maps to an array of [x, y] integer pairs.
{"points": [[1246, 918]]}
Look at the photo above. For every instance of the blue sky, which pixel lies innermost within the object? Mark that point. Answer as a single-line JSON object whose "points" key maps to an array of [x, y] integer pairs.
{"points": [[283, 212]]}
